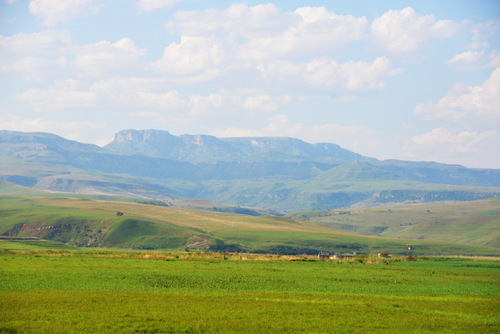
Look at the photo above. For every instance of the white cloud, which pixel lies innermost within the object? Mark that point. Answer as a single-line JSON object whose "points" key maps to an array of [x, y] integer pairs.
{"points": [[325, 73], [54, 12], [198, 58], [149, 5], [469, 106], [105, 58], [30, 68], [476, 111], [35, 56], [483, 33], [473, 148], [171, 100], [406, 32], [266, 102], [51, 54], [237, 20], [475, 60], [65, 96], [79, 131], [44, 43], [206, 112], [215, 43], [352, 137], [314, 30]]}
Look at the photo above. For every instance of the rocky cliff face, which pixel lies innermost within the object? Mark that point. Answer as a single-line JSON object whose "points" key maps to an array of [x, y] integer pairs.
{"points": [[204, 148]]}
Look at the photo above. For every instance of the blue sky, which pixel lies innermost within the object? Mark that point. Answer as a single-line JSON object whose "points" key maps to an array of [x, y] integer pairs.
{"points": [[416, 80]]}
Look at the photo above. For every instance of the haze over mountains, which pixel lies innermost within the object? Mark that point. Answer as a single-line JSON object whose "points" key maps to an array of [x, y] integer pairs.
{"points": [[283, 174]]}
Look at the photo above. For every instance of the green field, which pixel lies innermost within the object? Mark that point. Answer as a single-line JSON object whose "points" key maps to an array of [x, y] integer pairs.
{"points": [[81, 222], [57, 291]]}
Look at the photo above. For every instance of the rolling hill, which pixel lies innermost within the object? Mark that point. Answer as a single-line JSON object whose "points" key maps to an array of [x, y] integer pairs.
{"points": [[88, 223], [473, 223]]}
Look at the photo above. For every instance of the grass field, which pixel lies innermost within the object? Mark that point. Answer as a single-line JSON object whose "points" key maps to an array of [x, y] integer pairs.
{"points": [[100, 291], [90, 223]]}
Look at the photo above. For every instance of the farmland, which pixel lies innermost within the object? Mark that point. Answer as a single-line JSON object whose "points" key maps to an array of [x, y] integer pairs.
{"points": [[82, 222], [171, 292]]}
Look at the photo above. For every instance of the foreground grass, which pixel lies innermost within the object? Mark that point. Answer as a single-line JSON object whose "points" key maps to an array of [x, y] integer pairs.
{"points": [[74, 292]]}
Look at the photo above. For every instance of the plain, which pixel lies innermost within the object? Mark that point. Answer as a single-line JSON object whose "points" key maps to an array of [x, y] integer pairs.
{"points": [[138, 292]]}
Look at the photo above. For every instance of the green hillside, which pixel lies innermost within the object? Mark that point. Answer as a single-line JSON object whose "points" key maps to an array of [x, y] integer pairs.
{"points": [[474, 223], [353, 184], [90, 223]]}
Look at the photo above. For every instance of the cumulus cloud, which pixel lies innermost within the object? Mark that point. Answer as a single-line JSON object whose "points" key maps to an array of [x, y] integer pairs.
{"points": [[352, 137], [467, 105], [54, 12], [49, 54], [406, 32], [104, 58], [149, 5], [174, 108], [314, 30], [35, 56], [44, 43], [474, 140], [171, 100], [457, 146], [79, 131], [326, 73], [475, 60], [266, 102], [483, 33], [66, 95], [198, 58], [241, 37]]}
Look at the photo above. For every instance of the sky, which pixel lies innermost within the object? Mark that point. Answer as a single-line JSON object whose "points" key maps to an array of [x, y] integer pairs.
{"points": [[409, 80]]}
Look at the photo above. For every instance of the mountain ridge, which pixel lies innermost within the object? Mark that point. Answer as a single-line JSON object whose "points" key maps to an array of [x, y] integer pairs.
{"points": [[206, 148], [277, 173]]}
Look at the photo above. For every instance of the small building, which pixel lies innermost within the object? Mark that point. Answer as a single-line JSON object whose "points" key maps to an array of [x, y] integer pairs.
{"points": [[324, 255], [340, 256], [335, 255]]}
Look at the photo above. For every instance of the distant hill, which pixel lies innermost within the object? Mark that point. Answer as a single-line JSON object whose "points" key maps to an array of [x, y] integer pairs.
{"points": [[282, 174], [474, 223]]}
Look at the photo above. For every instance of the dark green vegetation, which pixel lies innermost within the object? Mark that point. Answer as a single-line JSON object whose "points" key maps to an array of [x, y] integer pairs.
{"points": [[474, 223], [118, 292], [282, 174], [82, 222]]}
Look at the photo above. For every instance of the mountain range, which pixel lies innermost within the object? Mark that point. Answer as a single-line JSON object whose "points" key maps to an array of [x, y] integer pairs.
{"points": [[275, 173]]}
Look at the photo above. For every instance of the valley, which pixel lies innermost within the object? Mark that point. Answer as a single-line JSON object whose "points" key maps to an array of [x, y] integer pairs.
{"points": [[151, 190]]}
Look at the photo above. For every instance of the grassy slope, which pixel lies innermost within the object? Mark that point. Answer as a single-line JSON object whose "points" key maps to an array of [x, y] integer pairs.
{"points": [[83, 222], [10, 189], [475, 223]]}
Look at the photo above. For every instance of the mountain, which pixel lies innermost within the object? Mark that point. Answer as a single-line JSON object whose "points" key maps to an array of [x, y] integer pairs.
{"points": [[283, 174], [203, 148], [441, 173]]}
